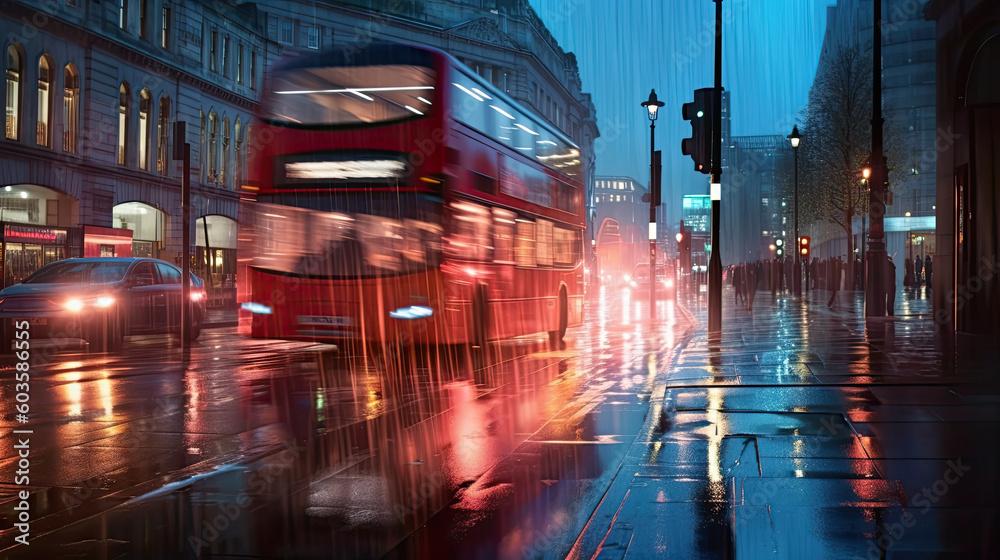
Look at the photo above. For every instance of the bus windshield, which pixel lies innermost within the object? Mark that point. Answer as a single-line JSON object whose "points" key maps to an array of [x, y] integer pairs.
{"points": [[350, 235], [348, 95]]}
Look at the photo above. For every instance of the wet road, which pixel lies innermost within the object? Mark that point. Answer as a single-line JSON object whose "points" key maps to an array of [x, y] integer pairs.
{"points": [[802, 433], [278, 449]]}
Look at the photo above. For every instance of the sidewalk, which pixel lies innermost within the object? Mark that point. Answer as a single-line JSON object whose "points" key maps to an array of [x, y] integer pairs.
{"points": [[802, 435]]}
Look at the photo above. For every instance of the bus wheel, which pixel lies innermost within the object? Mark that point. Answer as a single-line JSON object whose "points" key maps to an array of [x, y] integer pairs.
{"points": [[556, 337], [480, 318]]}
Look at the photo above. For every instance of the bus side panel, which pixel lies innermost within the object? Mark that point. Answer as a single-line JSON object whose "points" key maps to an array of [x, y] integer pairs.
{"points": [[369, 310]]}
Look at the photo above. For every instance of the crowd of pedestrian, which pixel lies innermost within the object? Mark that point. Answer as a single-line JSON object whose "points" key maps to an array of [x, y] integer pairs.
{"points": [[832, 274]]}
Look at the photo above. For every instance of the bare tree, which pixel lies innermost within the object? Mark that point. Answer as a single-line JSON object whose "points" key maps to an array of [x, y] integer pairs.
{"points": [[836, 142]]}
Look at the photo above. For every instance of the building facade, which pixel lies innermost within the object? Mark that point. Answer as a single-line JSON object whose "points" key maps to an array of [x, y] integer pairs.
{"points": [[93, 90], [966, 281], [622, 223], [908, 99]]}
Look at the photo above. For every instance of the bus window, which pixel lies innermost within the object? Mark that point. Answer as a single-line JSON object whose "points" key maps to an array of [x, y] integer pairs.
{"points": [[503, 236], [349, 95], [543, 242], [524, 243], [565, 249], [470, 232]]}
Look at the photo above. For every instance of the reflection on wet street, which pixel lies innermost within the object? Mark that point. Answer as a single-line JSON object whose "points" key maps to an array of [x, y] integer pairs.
{"points": [[801, 433], [271, 449]]}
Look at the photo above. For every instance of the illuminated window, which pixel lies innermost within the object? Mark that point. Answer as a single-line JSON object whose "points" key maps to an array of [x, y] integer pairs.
{"points": [[123, 95], [43, 128], [13, 92], [145, 108], [213, 148], [71, 108]]}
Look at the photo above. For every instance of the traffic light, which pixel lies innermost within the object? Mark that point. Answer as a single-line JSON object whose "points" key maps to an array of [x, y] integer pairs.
{"points": [[804, 247], [779, 245], [699, 146], [684, 248]]}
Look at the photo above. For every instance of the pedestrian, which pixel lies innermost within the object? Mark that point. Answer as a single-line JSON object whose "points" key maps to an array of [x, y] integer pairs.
{"points": [[833, 281], [890, 287], [908, 273], [918, 270], [737, 283], [929, 272], [751, 286]]}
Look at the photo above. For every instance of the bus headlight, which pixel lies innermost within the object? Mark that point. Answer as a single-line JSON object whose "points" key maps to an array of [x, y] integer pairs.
{"points": [[412, 312]]}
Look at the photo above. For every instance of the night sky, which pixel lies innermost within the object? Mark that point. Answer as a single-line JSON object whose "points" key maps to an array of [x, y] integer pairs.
{"points": [[626, 47]]}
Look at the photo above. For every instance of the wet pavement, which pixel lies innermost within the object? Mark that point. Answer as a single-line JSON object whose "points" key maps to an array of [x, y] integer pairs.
{"points": [[802, 433]]}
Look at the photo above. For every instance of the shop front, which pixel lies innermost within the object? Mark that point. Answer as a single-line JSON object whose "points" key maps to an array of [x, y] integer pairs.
{"points": [[147, 225], [26, 248], [215, 258]]}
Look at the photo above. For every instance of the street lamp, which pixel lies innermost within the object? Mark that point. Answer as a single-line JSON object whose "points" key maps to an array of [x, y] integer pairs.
{"points": [[652, 105], [795, 138]]}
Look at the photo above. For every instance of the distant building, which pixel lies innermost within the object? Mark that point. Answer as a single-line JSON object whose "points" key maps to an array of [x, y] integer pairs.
{"points": [[760, 177], [622, 224], [966, 282], [908, 82]]}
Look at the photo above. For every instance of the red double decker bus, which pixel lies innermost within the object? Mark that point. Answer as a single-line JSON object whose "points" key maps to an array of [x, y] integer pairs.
{"points": [[402, 197]]}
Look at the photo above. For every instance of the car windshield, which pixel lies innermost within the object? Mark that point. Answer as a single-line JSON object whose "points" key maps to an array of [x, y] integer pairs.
{"points": [[79, 273]]}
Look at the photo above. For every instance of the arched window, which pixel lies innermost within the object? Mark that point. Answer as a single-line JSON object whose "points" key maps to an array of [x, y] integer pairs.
{"points": [[224, 168], [123, 95], [14, 72], [238, 156], [213, 148], [248, 154], [71, 108], [43, 136], [145, 108], [163, 136]]}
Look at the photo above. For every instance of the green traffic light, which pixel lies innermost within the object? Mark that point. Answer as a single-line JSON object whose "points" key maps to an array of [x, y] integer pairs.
{"points": [[701, 114]]}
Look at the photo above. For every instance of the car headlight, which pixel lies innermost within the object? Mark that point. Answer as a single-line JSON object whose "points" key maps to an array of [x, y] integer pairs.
{"points": [[197, 296], [76, 304]]}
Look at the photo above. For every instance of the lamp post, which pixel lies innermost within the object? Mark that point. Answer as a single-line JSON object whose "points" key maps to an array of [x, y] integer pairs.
{"points": [[652, 105], [865, 173], [795, 138]]}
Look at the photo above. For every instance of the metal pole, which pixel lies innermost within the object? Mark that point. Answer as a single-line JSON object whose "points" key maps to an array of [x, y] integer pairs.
{"points": [[652, 220], [186, 251], [798, 246], [875, 290], [715, 261]]}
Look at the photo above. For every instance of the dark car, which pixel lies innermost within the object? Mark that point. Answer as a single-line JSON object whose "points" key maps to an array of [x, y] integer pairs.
{"points": [[100, 300]]}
